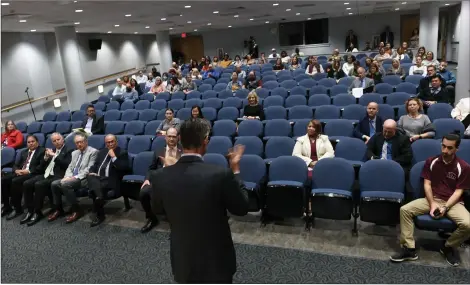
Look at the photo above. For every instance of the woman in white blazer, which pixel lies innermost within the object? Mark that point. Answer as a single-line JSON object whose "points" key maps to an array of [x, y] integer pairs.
{"points": [[313, 140]]}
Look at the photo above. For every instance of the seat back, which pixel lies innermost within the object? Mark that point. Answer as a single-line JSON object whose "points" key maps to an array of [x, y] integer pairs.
{"points": [[288, 168], [382, 175], [142, 162], [279, 146], [139, 144], [351, 149], [327, 172], [216, 158], [424, 149], [252, 168], [253, 145], [219, 145]]}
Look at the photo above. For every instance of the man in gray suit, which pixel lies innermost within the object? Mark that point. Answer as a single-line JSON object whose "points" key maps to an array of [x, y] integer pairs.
{"points": [[362, 82], [75, 178]]}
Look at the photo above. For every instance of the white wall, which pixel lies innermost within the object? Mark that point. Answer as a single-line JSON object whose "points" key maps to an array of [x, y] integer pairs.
{"points": [[365, 26]]}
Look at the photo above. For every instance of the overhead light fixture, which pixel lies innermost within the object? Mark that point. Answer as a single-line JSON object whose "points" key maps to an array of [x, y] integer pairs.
{"points": [[147, 27], [236, 16], [128, 15], [209, 24], [195, 30], [116, 26], [5, 4], [251, 19], [267, 22], [22, 21], [33, 30], [447, 4], [288, 10], [396, 9], [349, 8], [403, 3], [181, 15], [350, 13], [346, 3], [163, 19], [135, 33], [297, 14], [229, 26], [276, 4], [308, 19], [215, 12], [78, 11], [170, 28], [187, 6], [189, 22], [75, 1], [77, 23], [109, 32]]}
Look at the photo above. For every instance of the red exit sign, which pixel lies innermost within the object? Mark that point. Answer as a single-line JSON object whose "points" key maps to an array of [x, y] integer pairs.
{"points": [[183, 35]]}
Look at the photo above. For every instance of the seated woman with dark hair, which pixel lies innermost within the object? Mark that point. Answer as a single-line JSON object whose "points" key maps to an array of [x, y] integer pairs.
{"points": [[374, 74], [279, 65], [169, 122], [196, 112], [335, 71], [253, 110], [12, 137]]}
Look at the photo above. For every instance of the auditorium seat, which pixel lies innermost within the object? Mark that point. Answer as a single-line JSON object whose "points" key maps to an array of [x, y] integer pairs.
{"points": [[215, 103], [34, 127], [338, 89], [354, 112], [147, 115], [250, 128], [96, 141], [278, 146], [115, 127], [228, 113], [63, 127], [344, 99], [273, 100], [158, 104], [300, 112], [112, 115], [253, 175], [49, 116], [447, 126], [113, 105], [295, 100], [178, 95], [216, 159], [253, 145], [210, 94], [406, 87], [336, 129], [176, 104], [184, 114], [424, 149], [134, 128], [219, 145], [306, 82], [439, 111], [233, 102], [277, 128]]}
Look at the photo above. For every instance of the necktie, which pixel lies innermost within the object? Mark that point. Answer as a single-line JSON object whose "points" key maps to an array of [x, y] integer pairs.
{"points": [[363, 85], [104, 166], [372, 128], [27, 160], [77, 166], [384, 151], [50, 167]]}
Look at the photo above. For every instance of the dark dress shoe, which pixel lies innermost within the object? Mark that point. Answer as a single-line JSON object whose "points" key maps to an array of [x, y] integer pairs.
{"points": [[14, 214], [97, 221], [151, 223], [6, 211], [35, 218], [56, 214], [26, 218], [73, 217]]}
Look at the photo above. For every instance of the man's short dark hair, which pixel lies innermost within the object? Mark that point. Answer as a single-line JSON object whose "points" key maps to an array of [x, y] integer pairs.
{"points": [[193, 133], [90, 106], [432, 66], [32, 136], [454, 136], [436, 76]]}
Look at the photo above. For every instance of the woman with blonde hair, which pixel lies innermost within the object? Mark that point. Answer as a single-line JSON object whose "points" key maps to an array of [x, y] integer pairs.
{"points": [[414, 124], [158, 87], [253, 111]]}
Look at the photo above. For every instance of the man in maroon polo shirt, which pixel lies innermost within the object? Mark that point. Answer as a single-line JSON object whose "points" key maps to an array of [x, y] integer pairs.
{"points": [[445, 178]]}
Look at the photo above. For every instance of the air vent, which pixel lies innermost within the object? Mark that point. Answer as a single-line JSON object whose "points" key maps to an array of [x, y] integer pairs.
{"points": [[318, 15], [304, 5]]}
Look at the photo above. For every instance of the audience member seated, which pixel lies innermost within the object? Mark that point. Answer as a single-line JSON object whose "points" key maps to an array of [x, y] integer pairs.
{"points": [[414, 40], [278, 66], [368, 62], [240, 72], [12, 137], [226, 61], [449, 79], [215, 62], [313, 67], [174, 85], [351, 48], [91, 124], [446, 177], [235, 84], [380, 67], [237, 62], [314, 145], [110, 166], [370, 124], [263, 57], [155, 73], [130, 94], [161, 158], [294, 63], [461, 112], [75, 178], [55, 162], [419, 68], [251, 82], [334, 71], [196, 112], [388, 50], [273, 55], [429, 60], [253, 110], [335, 56], [190, 85], [435, 93], [374, 74], [181, 79], [125, 80], [202, 64], [401, 55], [211, 73], [248, 60], [120, 87], [195, 74], [382, 55], [169, 122], [165, 79], [396, 69], [27, 167], [193, 64], [158, 86], [136, 87], [353, 72], [285, 58], [150, 82], [349, 64], [414, 124], [141, 77], [362, 81], [297, 53], [367, 47], [391, 145], [406, 50]]}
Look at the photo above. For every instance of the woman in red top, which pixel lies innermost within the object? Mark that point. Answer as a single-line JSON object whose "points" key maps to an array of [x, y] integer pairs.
{"points": [[12, 137]]}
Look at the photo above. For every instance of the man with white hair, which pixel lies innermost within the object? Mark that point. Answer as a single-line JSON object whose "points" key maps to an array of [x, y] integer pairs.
{"points": [[141, 77], [120, 87]]}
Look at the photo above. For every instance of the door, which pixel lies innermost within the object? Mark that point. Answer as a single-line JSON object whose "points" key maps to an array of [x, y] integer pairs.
{"points": [[407, 24], [191, 47]]}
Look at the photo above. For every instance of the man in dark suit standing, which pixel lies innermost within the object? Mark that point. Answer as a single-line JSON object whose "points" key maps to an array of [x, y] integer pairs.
{"points": [[391, 145], [195, 197], [26, 168], [91, 124], [55, 162], [370, 124], [387, 36], [170, 153], [106, 174]]}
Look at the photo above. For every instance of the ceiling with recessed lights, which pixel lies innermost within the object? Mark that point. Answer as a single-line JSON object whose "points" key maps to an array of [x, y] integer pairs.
{"points": [[146, 17]]}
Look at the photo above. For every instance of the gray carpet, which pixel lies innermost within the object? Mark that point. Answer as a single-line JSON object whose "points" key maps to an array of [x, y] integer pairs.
{"points": [[59, 253]]}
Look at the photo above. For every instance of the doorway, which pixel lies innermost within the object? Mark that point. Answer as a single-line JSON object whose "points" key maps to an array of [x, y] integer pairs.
{"points": [[184, 49], [407, 24]]}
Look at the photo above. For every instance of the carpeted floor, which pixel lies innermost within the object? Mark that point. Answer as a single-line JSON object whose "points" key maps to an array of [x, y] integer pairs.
{"points": [[59, 253]]}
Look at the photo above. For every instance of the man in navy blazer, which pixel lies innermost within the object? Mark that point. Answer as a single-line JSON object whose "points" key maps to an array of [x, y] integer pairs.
{"points": [[370, 124]]}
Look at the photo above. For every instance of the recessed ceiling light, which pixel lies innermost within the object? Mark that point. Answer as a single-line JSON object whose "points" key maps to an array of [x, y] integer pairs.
{"points": [[447, 4], [181, 15], [350, 13], [109, 32], [267, 22], [75, 1], [209, 24], [308, 19], [187, 6], [78, 11], [189, 22], [346, 3], [287, 10], [128, 15], [229, 26], [135, 33], [251, 19], [5, 4], [297, 14], [349, 8], [170, 28], [147, 27], [396, 9], [116, 26], [276, 4], [33, 30], [163, 19], [77, 23], [22, 21], [236, 16], [195, 30], [215, 12], [403, 3]]}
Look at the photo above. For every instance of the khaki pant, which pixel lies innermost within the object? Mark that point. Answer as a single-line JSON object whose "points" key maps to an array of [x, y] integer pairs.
{"points": [[456, 213]]}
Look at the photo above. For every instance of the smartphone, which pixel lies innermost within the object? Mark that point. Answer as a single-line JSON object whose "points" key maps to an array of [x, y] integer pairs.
{"points": [[436, 213]]}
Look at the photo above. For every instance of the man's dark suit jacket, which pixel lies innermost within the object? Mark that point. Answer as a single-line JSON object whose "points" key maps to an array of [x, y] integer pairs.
{"points": [[363, 127], [196, 196], [157, 162], [401, 148], [35, 166], [61, 162], [425, 92], [97, 127], [117, 169], [383, 38]]}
